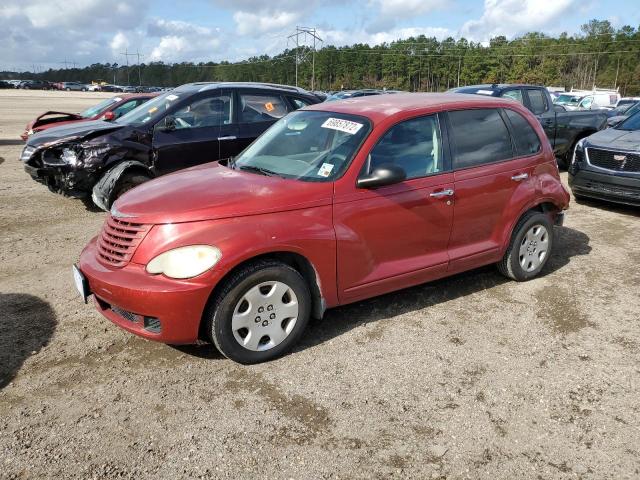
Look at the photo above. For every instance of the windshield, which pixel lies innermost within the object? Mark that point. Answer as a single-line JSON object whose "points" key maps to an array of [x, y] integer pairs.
{"points": [[150, 110], [568, 100], [99, 108], [306, 145], [632, 109], [631, 123]]}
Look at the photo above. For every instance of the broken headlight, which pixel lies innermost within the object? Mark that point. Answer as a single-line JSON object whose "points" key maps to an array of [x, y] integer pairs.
{"points": [[27, 152], [70, 157], [94, 153]]}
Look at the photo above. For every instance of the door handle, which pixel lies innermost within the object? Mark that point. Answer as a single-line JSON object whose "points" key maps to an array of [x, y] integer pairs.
{"points": [[230, 137], [520, 177], [442, 193]]}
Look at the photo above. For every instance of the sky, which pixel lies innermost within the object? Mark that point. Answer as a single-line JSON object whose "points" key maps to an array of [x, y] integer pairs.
{"points": [[42, 34]]}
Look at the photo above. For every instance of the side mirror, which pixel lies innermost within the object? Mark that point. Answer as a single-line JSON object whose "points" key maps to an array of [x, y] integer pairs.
{"points": [[381, 176], [168, 124], [109, 116], [559, 108]]}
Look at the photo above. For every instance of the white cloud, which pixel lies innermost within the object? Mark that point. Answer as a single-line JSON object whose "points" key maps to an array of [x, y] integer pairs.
{"points": [[179, 41], [390, 12], [343, 37], [514, 17], [119, 42], [264, 21]]}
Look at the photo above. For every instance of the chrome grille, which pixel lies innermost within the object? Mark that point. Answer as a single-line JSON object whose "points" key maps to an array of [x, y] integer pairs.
{"points": [[119, 240], [615, 161]]}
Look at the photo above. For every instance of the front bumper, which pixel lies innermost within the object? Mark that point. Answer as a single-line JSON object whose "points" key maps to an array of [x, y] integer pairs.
{"points": [[613, 188], [151, 306], [76, 183]]}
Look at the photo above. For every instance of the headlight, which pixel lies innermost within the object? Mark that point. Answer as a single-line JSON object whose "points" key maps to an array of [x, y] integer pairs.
{"points": [[26, 154], [69, 157], [185, 262], [30, 132], [93, 153]]}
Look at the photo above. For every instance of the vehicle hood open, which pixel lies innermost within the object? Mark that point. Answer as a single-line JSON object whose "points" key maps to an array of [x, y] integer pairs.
{"points": [[617, 139], [213, 191], [72, 131]]}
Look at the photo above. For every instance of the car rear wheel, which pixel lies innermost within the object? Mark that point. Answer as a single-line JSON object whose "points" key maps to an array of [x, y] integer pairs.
{"points": [[260, 312], [529, 249]]}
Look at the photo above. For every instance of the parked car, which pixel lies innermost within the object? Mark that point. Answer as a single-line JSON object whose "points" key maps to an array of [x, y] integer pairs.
{"points": [[193, 124], [623, 112], [34, 85], [627, 101], [15, 83], [110, 88], [353, 94], [335, 203], [109, 109], [606, 165], [75, 86], [569, 101], [94, 87], [563, 128], [129, 89], [4, 84], [597, 101]]}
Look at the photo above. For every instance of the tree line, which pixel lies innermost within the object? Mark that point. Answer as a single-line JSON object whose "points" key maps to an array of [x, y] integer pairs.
{"points": [[598, 56]]}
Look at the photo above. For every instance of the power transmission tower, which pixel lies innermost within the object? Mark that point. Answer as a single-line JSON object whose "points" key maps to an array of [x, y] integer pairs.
{"points": [[301, 53], [126, 55]]}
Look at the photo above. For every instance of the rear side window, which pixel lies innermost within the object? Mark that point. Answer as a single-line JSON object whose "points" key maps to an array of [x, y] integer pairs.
{"points": [[537, 100], [527, 141], [479, 137], [513, 94], [256, 108], [413, 145], [298, 102]]}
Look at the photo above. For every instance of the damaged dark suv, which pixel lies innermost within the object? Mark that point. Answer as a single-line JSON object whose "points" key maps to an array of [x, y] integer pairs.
{"points": [[190, 125]]}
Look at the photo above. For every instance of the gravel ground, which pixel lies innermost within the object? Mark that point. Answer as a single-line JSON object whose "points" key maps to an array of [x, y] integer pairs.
{"points": [[469, 377]]}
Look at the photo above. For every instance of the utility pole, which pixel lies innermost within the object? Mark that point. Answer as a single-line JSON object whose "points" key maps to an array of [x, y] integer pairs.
{"points": [[300, 55], [126, 55]]}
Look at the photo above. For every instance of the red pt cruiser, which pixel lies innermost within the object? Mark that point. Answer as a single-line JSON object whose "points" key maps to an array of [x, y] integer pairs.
{"points": [[335, 203]]}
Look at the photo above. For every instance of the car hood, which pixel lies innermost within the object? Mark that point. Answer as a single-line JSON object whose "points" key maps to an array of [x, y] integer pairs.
{"points": [[614, 138], [213, 191], [72, 131]]}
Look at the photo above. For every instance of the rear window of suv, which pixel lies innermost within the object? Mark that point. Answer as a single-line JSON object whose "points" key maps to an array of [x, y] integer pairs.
{"points": [[527, 141], [479, 136]]}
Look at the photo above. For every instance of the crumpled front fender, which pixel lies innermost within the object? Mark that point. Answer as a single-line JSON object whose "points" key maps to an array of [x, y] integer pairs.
{"points": [[102, 194]]}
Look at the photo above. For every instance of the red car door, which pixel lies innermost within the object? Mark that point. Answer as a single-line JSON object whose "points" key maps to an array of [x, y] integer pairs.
{"points": [[396, 236], [491, 176]]}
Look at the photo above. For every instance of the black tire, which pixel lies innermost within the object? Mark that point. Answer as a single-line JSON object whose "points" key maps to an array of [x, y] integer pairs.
{"points": [[510, 265], [125, 183], [218, 315]]}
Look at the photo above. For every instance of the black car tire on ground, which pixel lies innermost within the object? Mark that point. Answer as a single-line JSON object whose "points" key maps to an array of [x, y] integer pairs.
{"points": [[510, 265], [125, 183], [218, 315]]}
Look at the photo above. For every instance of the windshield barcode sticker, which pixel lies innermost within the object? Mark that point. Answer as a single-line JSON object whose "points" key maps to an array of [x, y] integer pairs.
{"points": [[346, 126]]}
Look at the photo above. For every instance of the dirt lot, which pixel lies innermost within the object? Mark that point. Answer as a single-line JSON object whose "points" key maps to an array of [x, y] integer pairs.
{"points": [[469, 377]]}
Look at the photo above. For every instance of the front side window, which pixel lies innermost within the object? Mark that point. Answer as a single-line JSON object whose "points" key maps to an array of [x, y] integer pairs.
{"points": [[205, 112], [306, 145], [513, 94], [479, 137], [298, 102], [537, 100], [586, 103], [99, 108], [527, 141], [413, 145], [125, 108], [257, 108]]}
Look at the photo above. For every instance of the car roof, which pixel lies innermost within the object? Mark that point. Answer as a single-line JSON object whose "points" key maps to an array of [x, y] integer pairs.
{"points": [[379, 107], [203, 86]]}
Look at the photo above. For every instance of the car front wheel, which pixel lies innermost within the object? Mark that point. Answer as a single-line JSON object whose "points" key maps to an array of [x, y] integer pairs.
{"points": [[259, 313], [529, 249]]}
